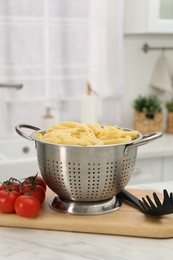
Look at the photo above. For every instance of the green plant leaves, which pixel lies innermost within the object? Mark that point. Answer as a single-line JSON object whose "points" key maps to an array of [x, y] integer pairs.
{"points": [[169, 105], [147, 104]]}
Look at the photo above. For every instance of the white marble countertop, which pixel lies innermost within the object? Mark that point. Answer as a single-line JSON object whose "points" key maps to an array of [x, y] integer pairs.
{"points": [[161, 147], [20, 243]]}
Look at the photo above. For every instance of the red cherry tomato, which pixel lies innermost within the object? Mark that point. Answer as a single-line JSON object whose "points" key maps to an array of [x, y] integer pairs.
{"points": [[27, 206], [36, 180], [40, 181], [7, 200], [36, 191], [10, 185], [15, 186]]}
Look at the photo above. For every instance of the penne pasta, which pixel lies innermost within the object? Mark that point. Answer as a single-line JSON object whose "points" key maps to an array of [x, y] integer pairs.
{"points": [[74, 133]]}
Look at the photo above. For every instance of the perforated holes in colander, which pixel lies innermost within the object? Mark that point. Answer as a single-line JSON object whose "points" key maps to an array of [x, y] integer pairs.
{"points": [[58, 174], [101, 185], [127, 169], [75, 180], [44, 168], [110, 179], [93, 176], [53, 174]]}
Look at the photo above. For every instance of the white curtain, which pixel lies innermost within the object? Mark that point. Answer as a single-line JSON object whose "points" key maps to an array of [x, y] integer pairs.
{"points": [[53, 48]]}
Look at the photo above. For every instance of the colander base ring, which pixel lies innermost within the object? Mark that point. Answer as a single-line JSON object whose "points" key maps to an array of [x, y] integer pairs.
{"points": [[84, 208]]}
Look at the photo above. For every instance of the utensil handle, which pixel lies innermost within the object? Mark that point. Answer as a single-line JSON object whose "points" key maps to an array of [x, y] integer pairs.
{"points": [[128, 197], [18, 130]]}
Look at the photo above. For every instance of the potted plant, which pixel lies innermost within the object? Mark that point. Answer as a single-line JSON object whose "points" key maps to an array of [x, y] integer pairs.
{"points": [[169, 106], [148, 114]]}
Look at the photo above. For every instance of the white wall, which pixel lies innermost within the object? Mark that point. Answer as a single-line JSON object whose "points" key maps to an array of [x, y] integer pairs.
{"points": [[139, 67]]}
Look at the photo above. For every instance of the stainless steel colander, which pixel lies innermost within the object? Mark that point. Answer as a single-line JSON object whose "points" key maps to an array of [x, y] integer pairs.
{"points": [[86, 174]]}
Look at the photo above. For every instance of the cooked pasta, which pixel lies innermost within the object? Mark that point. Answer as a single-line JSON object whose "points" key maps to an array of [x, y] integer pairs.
{"points": [[74, 133]]}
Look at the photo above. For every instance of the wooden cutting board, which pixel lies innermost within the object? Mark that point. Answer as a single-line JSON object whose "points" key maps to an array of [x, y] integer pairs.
{"points": [[127, 221]]}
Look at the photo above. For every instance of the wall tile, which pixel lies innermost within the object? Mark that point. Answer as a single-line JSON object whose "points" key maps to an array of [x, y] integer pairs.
{"points": [[21, 8], [68, 87], [21, 44], [68, 45], [69, 8], [23, 113], [18, 72], [69, 70], [33, 89]]}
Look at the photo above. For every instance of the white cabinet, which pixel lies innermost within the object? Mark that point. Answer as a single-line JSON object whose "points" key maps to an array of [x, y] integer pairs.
{"points": [[168, 169], [154, 161], [148, 16], [147, 171]]}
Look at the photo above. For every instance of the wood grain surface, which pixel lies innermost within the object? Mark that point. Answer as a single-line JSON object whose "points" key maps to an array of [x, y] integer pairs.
{"points": [[126, 221]]}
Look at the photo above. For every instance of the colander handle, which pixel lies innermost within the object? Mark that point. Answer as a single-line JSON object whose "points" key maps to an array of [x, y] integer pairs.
{"points": [[18, 130], [145, 139]]}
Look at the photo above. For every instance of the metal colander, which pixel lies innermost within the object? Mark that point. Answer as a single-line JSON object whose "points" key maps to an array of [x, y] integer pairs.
{"points": [[86, 174]]}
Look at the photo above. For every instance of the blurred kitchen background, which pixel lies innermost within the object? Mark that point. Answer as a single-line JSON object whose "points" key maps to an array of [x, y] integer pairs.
{"points": [[54, 48]]}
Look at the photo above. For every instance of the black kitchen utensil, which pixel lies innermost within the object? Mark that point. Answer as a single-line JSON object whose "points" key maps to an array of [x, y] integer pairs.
{"points": [[150, 206]]}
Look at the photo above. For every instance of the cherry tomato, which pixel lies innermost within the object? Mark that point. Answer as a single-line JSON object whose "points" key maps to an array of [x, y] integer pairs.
{"points": [[27, 206], [7, 200], [36, 191], [36, 180], [15, 186], [40, 181], [10, 185]]}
